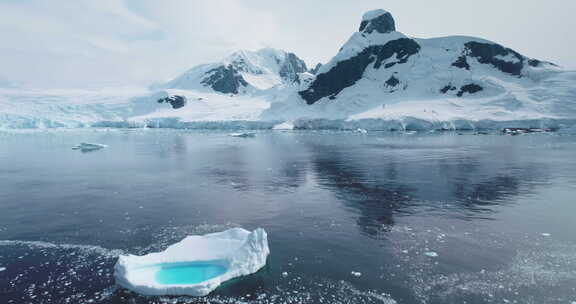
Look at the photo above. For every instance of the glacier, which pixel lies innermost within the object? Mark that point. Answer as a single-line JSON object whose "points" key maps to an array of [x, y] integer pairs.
{"points": [[195, 266]]}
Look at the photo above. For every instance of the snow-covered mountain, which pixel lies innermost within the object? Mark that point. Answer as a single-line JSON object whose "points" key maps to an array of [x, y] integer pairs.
{"points": [[381, 79], [387, 62], [380, 73], [243, 72]]}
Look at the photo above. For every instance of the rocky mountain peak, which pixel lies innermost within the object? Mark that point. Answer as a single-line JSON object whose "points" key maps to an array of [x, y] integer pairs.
{"points": [[378, 20]]}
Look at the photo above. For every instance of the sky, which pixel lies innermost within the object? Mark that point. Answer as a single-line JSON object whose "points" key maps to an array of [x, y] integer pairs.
{"points": [[104, 43]]}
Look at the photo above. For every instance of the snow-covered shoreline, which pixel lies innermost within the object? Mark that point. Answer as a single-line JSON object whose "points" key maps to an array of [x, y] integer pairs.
{"points": [[211, 111]]}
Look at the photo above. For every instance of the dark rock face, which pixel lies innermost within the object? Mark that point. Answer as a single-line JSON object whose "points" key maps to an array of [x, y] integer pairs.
{"points": [[469, 88], [224, 79], [462, 63], [489, 53], [392, 81], [382, 24], [316, 69], [447, 88], [292, 67], [534, 62], [347, 72], [177, 101]]}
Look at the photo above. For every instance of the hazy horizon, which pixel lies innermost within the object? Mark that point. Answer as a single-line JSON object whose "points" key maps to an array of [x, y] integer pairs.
{"points": [[87, 43]]}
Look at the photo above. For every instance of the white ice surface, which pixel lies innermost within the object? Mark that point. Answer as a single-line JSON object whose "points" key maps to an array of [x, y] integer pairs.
{"points": [[243, 251], [63, 108], [201, 106], [287, 125]]}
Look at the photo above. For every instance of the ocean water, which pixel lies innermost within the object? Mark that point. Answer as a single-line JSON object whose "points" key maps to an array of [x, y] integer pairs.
{"points": [[351, 218]]}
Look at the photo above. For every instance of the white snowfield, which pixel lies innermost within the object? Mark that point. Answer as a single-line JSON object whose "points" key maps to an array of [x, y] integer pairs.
{"points": [[239, 252], [540, 96]]}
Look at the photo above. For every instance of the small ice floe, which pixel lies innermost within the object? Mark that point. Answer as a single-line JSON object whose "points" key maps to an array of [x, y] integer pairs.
{"points": [[361, 131], [284, 126], [431, 254], [243, 135], [356, 273], [87, 147], [284, 274], [546, 234], [196, 265], [519, 131], [2, 269]]}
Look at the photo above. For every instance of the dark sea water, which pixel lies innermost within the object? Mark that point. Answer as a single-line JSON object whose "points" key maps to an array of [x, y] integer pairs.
{"points": [[418, 218]]}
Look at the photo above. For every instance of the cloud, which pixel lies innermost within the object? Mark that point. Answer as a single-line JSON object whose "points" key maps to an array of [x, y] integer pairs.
{"points": [[107, 42], [201, 31]]}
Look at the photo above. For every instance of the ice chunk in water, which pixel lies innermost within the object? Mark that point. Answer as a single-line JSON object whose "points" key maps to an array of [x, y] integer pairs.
{"points": [[195, 266], [243, 135], [87, 147]]}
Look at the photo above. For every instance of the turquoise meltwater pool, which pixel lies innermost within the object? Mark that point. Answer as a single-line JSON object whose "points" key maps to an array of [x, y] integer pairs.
{"points": [[188, 273]]}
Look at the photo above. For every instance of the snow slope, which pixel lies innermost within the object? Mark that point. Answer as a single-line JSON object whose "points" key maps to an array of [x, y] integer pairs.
{"points": [[202, 110], [243, 72]]}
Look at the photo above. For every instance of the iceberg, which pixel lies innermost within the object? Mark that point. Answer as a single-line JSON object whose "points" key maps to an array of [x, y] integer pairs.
{"points": [[196, 265], [244, 135], [88, 147]]}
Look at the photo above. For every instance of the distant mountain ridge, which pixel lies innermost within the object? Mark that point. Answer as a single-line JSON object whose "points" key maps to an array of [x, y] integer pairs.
{"points": [[243, 72]]}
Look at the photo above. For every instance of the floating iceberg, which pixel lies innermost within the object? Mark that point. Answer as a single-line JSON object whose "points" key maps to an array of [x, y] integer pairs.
{"points": [[243, 135], [356, 273], [284, 126], [87, 147], [195, 266]]}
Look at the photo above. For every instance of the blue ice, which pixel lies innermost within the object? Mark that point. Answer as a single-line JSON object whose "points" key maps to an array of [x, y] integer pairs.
{"points": [[188, 273]]}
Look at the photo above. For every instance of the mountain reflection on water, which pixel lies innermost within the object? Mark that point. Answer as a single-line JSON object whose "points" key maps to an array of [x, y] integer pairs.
{"points": [[448, 175]]}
